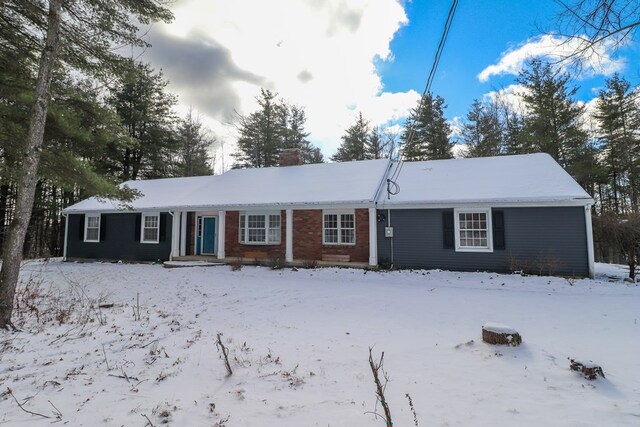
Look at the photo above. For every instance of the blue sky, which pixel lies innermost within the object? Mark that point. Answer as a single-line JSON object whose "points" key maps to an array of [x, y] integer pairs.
{"points": [[339, 58], [481, 32]]}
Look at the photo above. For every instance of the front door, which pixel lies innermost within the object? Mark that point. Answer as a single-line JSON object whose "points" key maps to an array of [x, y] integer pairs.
{"points": [[208, 235]]}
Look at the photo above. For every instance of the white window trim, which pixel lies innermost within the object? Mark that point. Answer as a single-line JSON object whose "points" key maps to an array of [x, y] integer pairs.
{"points": [[456, 225], [266, 229], [142, 228], [339, 212], [86, 227]]}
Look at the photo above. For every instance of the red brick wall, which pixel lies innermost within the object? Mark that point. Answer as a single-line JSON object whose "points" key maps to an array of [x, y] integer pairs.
{"points": [[233, 247], [307, 237]]}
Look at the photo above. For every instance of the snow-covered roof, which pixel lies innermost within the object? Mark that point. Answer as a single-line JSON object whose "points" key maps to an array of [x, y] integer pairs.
{"points": [[349, 183], [527, 178]]}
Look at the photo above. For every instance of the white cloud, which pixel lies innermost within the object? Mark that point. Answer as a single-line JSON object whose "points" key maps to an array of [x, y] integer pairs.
{"points": [[511, 96], [597, 61], [319, 55]]}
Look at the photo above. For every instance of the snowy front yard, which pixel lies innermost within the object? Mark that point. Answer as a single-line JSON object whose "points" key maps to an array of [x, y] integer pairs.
{"points": [[299, 341]]}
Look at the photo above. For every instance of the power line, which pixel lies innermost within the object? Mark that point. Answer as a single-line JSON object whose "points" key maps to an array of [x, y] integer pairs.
{"points": [[427, 89]]}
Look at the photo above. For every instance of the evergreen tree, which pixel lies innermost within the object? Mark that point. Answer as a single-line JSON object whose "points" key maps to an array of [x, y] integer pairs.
{"points": [[354, 142], [426, 134], [618, 117], [80, 34], [144, 105], [483, 133], [553, 121], [376, 145], [194, 155], [275, 126]]}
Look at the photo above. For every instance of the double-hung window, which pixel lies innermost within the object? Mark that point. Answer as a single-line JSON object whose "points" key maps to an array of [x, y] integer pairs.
{"points": [[92, 228], [260, 228], [473, 230], [150, 230], [339, 228]]}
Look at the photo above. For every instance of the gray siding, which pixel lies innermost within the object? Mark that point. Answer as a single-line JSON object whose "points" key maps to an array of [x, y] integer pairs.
{"points": [[550, 239], [119, 240]]}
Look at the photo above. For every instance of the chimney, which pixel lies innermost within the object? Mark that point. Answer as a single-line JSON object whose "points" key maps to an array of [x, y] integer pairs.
{"points": [[290, 157]]}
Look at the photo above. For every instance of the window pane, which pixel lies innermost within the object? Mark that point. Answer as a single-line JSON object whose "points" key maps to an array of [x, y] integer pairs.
{"points": [[256, 221], [331, 236], [274, 221], [347, 220], [93, 234], [473, 229], [93, 221], [274, 235], [331, 221], [347, 236], [150, 234], [257, 235]]}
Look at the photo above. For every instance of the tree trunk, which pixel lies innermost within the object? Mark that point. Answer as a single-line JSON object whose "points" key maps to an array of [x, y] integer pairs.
{"points": [[13, 245]]}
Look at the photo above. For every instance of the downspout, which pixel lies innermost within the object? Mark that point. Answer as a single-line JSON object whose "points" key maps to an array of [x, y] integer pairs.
{"points": [[589, 229], [389, 225], [66, 233]]}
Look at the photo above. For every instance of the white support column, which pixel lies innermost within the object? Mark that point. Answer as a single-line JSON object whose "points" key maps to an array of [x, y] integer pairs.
{"points": [[183, 233], [373, 237], [66, 233], [175, 235], [590, 256], [289, 232], [221, 238]]}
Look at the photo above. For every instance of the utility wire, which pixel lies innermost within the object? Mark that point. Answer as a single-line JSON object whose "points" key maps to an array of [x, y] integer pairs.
{"points": [[436, 60]]}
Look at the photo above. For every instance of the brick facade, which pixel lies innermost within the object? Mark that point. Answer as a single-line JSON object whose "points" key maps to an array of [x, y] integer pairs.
{"points": [[307, 238], [235, 249]]}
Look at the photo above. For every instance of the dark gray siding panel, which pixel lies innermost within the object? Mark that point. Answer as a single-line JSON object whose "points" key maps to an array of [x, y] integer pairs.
{"points": [[553, 238], [118, 241]]}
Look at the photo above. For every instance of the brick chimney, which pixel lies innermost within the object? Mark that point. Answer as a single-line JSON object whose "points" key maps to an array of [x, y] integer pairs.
{"points": [[290, 157]]}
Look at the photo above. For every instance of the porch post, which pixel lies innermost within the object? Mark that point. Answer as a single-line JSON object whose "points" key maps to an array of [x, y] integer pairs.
{"points": [[373, 237], [175, 235], [183, 233], [288, 257], [589, 230], [221, 238]]}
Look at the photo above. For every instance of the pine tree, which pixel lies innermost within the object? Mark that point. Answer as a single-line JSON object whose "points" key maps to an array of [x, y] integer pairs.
{"points": [[354, 142], [275, 126], [82, 35], [194, 154], [376, 145], [618, 117], [483, 133], [553, 121], [426, 134], [145, 106]]}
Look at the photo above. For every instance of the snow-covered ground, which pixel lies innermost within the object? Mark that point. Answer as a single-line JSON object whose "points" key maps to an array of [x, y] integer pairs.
{"points": [[299, 346]]}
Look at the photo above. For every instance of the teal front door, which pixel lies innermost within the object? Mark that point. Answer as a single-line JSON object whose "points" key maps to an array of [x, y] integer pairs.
{"points": [[208, 235]]}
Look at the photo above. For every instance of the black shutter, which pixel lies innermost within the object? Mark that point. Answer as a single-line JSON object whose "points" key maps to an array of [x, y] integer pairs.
{"points": [[103, 227], [447, 230], [497, 220], [163, 227], [81, 228], [136, 230]]}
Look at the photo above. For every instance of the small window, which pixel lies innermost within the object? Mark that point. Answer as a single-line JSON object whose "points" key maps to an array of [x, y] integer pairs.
{"points": [[92, 228], [150, 228], [473, 230], [339, 228], [260, 229]]}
